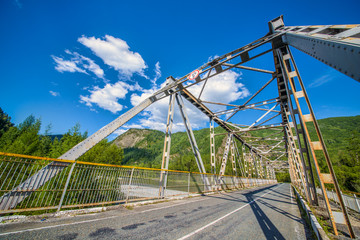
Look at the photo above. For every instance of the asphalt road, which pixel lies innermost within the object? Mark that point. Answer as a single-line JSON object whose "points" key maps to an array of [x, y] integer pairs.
{"points": [[262, 213]]}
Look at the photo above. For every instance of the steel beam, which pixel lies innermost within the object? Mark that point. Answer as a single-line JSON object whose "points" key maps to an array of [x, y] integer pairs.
{"points": [[167, 147], [192, 139], [338, 46]]}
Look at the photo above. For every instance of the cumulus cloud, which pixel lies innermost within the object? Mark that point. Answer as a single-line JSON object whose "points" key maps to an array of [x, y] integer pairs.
{"points": [[115, 53], [155, 115], [221, 88], [89, 64], [108, 96], [77, 63], [55, 94], [120, 131]]}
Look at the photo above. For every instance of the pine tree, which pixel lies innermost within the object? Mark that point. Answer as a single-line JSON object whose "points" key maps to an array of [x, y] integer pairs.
{"points": [[5, 122]]}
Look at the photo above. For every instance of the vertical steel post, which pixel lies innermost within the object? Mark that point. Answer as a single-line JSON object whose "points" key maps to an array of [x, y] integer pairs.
{"points": [[167, 148], [357, 204], [192, 139], [212, 154], [189, 183], [346, 200], [130, 180], [66, 186]]}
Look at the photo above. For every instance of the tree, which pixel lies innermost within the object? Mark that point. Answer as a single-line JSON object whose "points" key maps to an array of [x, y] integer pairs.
{"points": [[354, 148], [45, 143], [69, 140], [24, 138], [5, 122]]}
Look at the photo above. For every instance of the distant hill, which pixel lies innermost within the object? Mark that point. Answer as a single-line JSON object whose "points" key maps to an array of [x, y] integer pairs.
{"points": [[143, 147], [53, 136], [336, 132]]}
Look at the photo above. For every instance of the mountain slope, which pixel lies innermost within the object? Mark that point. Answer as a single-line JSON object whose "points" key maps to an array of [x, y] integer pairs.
{"points": [[144, 147]]}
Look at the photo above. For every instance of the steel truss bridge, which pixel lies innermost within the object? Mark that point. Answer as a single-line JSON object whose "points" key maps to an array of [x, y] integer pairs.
{"points": [[280, 132]]}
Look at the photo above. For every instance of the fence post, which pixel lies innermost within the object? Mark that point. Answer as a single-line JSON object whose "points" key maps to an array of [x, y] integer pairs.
{"points": [[189, 183], [346, 201], [66, 186], [128, 190], [335, 198], [357, 203]]}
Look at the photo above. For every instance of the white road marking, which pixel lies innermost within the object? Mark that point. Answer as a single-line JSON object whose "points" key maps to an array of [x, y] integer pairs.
{"points": [[226, 215], [99, 219], [266, 225], [59, 225], [154, 209], [94, 220]]}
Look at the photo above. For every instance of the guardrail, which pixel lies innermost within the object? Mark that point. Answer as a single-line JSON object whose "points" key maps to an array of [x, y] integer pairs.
{"points": [[76, 184], [351, 202]]}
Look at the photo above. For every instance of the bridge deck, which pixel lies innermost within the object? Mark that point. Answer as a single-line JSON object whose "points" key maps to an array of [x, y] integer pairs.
{"points": [[260, 213]]}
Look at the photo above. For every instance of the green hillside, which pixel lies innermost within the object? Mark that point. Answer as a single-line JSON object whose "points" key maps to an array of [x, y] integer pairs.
{"points": [[143, 147], [341, 134], [147, 148]]}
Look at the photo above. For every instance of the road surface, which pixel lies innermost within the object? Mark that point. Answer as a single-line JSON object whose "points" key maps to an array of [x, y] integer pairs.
{"points": [[267, 212]]}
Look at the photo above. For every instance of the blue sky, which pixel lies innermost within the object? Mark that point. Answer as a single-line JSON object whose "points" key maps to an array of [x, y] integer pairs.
{"points": [[87, 62]]}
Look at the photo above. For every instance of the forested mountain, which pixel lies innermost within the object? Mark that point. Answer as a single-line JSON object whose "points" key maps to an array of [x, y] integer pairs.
{"points": [[147, 146], [341, 134], [143, 147]]}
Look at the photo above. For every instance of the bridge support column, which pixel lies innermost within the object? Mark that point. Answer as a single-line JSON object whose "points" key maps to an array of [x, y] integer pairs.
{"points": [[296, 87], [213, 155], [192, 141], [167, 148]]}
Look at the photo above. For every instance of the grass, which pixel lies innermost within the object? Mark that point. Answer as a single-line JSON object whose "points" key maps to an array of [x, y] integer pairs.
{"points": [[128, 207]]}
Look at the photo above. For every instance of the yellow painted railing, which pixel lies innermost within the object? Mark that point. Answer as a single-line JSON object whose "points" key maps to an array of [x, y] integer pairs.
{"points": [[69, 184]]}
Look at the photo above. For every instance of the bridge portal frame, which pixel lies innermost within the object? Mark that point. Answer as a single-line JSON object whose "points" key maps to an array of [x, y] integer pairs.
{"points": [[320, 42]]}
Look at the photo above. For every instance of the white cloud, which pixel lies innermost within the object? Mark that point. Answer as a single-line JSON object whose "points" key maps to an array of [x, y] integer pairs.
{"points": [[115, 53], [55, 94], [133, 125], [323, 79], [108, 96], [78, 63], [155, 115], [88, 64], [157, 73], [119, 131], [66, 65], [221, 88]]}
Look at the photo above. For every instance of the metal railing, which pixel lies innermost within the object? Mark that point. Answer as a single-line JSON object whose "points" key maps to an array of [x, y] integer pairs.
{"points": [[81, 184], [351, 202]]}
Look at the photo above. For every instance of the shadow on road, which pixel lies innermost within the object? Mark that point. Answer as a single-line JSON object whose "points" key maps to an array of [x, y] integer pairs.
{"points": [[279, 210], [268, 228], [229, 197]]}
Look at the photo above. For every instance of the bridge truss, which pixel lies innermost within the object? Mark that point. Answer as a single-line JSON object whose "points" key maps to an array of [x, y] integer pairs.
{"points": [[284, 127]]}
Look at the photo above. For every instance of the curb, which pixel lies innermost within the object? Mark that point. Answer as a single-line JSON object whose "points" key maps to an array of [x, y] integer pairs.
{"points": [[316, 227]]}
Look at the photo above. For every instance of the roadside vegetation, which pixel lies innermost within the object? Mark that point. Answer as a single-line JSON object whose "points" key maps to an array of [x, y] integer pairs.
{"points": [[25, 138], [342, 137]]}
